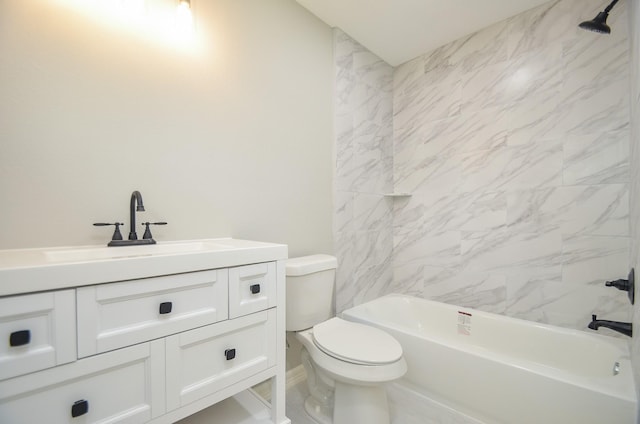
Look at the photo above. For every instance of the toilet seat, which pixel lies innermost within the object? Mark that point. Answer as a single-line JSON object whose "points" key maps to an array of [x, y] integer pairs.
{"points": [[349, 372], [356, 343]]}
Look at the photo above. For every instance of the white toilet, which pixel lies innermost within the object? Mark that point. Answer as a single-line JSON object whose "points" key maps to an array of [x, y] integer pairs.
{"points": [[347, 363]]}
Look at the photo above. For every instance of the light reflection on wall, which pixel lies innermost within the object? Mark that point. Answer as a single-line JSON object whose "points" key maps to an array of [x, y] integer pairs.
{"points": [[169, 22]]}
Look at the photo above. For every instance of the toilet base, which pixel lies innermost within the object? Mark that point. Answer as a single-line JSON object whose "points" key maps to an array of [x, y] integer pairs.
{"points": [[360, 404], [319, 413], [345, 393]]}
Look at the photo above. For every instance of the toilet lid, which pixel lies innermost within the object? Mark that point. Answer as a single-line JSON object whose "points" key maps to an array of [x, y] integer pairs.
{"points": [[356, 343]]}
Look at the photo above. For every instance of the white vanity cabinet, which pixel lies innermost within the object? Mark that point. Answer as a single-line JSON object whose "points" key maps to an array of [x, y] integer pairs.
{"points": [[208, 359], [155, 348], [37, 331], [111, 316], [123, 386], [252, 288]]}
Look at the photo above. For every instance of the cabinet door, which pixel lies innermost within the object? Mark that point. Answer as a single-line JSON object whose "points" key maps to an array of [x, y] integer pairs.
{"points": [[207, 359], [115, 315], [37, 331], [125, 386], [252, 288]]}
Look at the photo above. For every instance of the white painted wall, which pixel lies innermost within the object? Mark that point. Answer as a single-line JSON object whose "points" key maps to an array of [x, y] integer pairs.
{"points": [[233, 141]]}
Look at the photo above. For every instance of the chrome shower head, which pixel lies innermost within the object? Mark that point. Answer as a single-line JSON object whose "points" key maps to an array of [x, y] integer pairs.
{"points": [[599, 23]]}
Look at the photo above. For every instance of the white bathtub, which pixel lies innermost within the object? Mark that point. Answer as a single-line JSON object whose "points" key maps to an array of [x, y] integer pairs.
{"points": [[503, 370]]}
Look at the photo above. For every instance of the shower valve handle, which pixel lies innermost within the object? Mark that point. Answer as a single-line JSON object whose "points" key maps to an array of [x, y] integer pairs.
{"points": [[627, 285]]}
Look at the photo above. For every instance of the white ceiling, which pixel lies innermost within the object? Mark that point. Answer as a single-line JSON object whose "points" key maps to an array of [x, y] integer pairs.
{"points": [[400, 30]]}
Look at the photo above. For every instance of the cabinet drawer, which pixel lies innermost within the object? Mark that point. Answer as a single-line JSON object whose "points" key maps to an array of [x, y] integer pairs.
{"points": [[252, 288], [37, 331], [124, 386], [111, 316], [207, 359]]}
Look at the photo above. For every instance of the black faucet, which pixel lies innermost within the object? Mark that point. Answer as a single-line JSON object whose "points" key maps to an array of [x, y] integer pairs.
{"points": [[621, 327], [136, 198], [135, 205]]}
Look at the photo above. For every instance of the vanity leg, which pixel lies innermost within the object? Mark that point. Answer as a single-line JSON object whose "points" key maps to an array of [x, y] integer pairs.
{"points": [[278, 383]]}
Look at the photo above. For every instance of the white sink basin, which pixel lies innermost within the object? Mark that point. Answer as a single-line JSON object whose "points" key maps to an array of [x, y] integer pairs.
{"points": [[55, 268], [93, 253]]}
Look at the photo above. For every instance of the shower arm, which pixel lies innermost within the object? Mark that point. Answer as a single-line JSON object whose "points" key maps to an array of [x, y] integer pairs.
{"points": [[608, 9]]}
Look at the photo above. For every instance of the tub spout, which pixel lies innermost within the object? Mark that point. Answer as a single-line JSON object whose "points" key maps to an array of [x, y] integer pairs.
{"points": [[621, 327]]}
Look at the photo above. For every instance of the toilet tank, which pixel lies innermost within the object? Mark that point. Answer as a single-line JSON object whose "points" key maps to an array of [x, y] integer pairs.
{"points": [[310, 289]]}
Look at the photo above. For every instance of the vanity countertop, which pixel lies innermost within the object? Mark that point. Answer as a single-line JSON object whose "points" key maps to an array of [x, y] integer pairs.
{"points": [[33, 270]]}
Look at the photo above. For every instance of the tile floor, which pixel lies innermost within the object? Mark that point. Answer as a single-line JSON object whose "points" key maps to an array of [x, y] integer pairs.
{"points": [[295, 404]]}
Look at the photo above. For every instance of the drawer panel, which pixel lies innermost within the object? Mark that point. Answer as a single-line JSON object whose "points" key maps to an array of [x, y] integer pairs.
{"points": [[111, 316], [37, 331], [252, 288], [118, 387], [199, 357]]}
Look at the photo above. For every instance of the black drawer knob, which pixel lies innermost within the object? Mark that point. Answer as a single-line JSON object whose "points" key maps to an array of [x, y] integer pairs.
{"points": [[230, 354], [255, 288], [165, 308], [79, 407], [20, 338]]}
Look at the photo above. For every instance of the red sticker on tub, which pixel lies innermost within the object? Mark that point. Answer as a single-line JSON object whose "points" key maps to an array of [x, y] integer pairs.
{"points": [[464, 323]]}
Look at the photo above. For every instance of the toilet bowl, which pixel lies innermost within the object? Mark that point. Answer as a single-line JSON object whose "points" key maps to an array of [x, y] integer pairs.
{"points": [[346, 363], [355, 360]]}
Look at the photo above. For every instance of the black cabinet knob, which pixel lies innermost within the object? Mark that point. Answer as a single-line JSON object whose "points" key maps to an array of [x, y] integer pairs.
{"points": [[20, 338], [79, 407], [165, 308], [230, 354], [255, 288]]}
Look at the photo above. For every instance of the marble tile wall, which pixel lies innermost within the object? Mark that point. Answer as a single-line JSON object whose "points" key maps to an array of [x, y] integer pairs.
{"points": [[364, 173], [634, 44], [514, 142]]}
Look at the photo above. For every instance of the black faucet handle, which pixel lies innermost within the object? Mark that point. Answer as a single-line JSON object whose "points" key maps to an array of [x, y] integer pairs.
{"points": [[147, 231], [594, 317], [116, 233]]}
